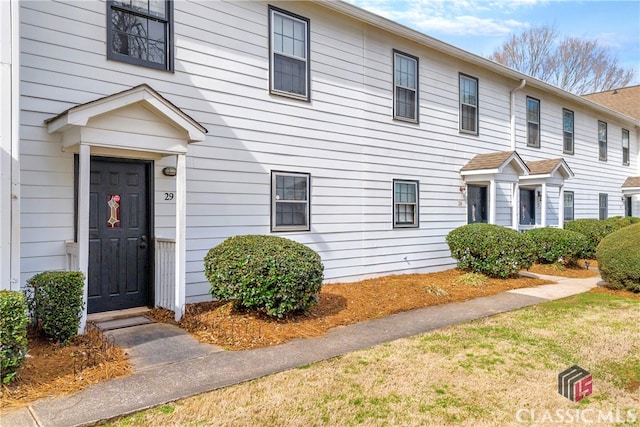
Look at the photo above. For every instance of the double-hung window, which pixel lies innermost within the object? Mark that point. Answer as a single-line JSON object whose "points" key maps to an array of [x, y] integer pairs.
{"points": [[625, 147], [602, 141], [140, 32], [468, 104], [289, 54], [603, 206], [567, 131], [405, 93], [405, 203], [568, 206], [533, 122], [290, 195]]}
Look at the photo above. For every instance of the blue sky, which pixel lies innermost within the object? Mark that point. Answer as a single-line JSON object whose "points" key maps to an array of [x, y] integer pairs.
{"points": [[481, 26]]}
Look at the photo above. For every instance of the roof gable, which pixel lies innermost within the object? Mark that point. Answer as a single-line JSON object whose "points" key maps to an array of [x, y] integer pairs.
{"points": [[548, 168], [80, 115], [493, 163]]}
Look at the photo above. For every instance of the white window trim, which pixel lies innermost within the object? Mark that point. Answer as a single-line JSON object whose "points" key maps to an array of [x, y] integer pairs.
{"points": [[573, 132], [573, 205], [606, 136], [272, 52], [416, 204], [275, 201], [538, 142], [416, 102], [475, 106], [625, 162]]}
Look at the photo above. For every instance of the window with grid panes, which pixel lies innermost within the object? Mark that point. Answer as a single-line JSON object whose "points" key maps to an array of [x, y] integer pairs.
{"points": [[290, 207], [405, 203]]}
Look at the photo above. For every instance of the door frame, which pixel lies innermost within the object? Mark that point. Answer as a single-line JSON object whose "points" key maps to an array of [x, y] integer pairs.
{"points": [[150, 204]]}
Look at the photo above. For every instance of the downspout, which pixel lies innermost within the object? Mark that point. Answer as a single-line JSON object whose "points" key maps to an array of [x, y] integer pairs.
{"points": [[512, 112]]}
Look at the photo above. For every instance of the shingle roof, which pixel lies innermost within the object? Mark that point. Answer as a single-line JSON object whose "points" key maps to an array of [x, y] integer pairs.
{"points": [[625, 100], [488, 161], [631, 182], [542, 167]]}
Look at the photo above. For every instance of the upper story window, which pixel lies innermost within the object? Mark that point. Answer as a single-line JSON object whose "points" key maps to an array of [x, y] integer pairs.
{"points": [[533, 122], [602, 141], [468, 104], [405, 93], [139, 32], [290, 196], [625, 147], [568, 206], [567, 131], [405, 203], [289, 54]]}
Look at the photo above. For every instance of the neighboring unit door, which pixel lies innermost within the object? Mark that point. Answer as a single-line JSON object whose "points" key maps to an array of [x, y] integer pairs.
{"points": [[119, 238], [628, 206], [527, 207], [476, 204]]}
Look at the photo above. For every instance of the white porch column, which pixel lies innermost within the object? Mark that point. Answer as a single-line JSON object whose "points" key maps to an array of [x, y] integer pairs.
{"points": [[515, 206], [492, 201], [181, 230], [83, 224], [543, 206], [561, 206]]}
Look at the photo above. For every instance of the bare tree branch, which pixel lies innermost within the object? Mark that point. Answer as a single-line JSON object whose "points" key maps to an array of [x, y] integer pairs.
{"points": [[573, 64]]}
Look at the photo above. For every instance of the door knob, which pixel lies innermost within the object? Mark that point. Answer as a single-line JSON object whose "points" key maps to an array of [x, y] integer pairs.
{"points": [[143, 241]]}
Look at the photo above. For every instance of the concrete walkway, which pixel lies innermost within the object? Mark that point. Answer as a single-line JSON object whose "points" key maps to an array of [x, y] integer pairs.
{"points": [[169, 364]]}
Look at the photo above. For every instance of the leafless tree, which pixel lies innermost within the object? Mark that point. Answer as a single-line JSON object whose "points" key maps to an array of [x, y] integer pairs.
{"points": [[577, 65]]}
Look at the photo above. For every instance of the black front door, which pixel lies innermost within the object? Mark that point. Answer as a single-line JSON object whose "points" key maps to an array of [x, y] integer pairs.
{"points": [[476, 204], [527, 207], [628, 206], [119, 240]]}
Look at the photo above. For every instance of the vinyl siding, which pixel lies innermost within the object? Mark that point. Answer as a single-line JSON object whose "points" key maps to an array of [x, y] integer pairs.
{"points": [[345, 137]]}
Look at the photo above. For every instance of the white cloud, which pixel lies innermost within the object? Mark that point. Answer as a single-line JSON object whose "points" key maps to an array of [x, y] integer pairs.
{"points": [[459, 17]]}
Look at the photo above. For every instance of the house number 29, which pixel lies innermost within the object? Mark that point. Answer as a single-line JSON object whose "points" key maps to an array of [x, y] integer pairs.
{"points": [[168, 196]]}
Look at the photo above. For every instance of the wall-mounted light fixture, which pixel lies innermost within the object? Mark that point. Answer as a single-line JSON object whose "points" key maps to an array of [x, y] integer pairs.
{"points": [[539, 196], [463, 189], [169, 171]]}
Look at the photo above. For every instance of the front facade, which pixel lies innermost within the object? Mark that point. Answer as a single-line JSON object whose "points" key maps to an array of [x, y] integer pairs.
{"points": [[139, 138]]}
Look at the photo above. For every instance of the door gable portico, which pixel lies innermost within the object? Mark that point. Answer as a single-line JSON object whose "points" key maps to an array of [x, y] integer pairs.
{"points": [[137, 123]]}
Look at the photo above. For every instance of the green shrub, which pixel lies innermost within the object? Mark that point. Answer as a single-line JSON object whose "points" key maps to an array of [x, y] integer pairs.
{"points": [[594, 229], [13, 333], [618, 257], [490, 249], [552, 244], [270, 274], [55, 302]]}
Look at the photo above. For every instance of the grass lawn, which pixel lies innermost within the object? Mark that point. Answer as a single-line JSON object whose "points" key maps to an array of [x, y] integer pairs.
{"points": [[500, 370]]}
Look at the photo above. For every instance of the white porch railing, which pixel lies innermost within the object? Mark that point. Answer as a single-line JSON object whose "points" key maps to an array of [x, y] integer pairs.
{"points": [[72, 256], [165, 279]]}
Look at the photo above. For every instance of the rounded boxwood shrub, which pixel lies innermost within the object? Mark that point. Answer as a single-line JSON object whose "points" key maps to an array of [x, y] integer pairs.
{"points": [[551, 245], [594, 229], [270, 274], [490, 249], [55, 302], [13, 333], [618, 257]]}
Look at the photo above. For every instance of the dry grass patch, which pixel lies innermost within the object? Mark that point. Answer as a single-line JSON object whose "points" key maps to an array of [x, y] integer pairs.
{"points": [[478, 373]]}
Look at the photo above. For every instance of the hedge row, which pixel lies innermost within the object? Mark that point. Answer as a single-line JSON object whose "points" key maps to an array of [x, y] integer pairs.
{"points": [[596, 229], [13, 333]]}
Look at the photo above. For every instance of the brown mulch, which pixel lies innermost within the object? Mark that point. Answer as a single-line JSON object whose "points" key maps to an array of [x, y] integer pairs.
{"points": [[561, 270], [340, 304], [51, 370]]}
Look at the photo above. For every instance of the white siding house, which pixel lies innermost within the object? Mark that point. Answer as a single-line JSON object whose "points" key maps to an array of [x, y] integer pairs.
{"points": [[135, 140]]}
